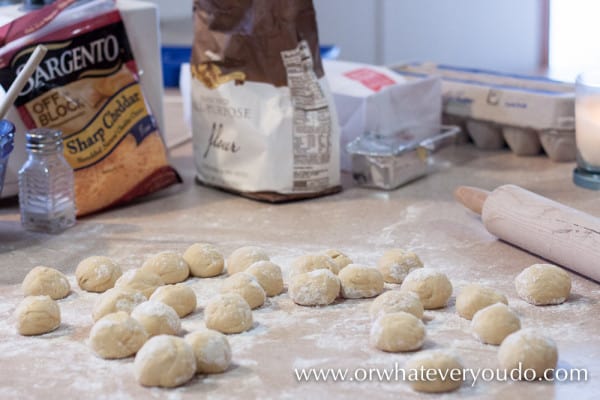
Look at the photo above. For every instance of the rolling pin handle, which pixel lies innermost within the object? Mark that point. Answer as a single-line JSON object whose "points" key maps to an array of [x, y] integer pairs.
{"points": [[471, 197]]}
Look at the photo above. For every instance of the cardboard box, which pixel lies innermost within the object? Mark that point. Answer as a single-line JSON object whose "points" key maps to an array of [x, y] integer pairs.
{"points": [[370, 98]]}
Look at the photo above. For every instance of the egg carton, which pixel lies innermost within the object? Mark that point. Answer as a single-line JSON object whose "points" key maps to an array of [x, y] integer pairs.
{"points": [[529, 114], [557, 144]]}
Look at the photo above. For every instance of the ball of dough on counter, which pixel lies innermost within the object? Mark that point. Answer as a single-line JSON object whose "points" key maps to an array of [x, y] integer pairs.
{"points": [[359, 281], [445, 371], [530, 349], [311, 262], [46, 281], [244, 257], [117, 335], [246, 286], [117, 299], [474, 297], [212, 351], [228, 313], [204, 260], [140, 280], [341, 259], [169, 265], [493, 323], [395, 301], [316, 288], [180, 297], [433, 287], [395, 264], [157, 318], [97, 274], [543, 284], [36, 315], [165, 361], [268, 275], [399, 331]]}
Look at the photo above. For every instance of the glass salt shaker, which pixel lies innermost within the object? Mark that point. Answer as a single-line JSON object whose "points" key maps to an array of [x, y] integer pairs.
{"points": [[46, 184]]}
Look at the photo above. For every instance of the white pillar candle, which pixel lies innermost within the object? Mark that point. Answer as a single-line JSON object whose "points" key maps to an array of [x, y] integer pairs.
{"points": [[587, 129]]}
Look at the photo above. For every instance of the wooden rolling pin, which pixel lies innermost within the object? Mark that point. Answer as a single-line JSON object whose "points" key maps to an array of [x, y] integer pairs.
{"points": [[539, 225]]}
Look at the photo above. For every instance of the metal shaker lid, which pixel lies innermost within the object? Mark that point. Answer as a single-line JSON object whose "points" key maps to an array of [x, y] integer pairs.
{"points": [[43, 139]]}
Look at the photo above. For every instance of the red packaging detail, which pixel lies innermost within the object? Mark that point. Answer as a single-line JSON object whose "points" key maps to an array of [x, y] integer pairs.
{"points": [[370, 78], [32, 21]]}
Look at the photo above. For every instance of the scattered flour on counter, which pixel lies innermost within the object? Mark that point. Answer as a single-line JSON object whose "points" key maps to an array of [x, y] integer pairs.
{"points": [[285, 336], [310, 362], [408, 216]]}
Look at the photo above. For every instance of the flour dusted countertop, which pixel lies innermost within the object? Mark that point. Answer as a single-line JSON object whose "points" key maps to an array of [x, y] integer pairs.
{"points": [[363, 223]]}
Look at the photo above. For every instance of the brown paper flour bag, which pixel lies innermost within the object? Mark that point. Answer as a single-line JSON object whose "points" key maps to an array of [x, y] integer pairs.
{"points": [[264, 124]]}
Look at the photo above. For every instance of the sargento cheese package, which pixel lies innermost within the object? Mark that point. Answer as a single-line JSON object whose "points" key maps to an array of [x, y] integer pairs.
{"points": [[87, 86]]}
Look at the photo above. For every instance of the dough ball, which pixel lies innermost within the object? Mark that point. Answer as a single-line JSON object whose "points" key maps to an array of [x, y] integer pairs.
{"points": [[530, 349], [396, 301], [140, 280], [445, 371], [395, 264], [169, 265], [204, 260], [117, 299], [316, 288], [399, 331], [157, 318], [117, 335], [311, 262], [244, 257], [339, 258], [228, 313], [246, 286], [45, 281], [360, 281], [180, 297], [97, 274], [433, 287], [36, 315], [543, 284], [493, 323], [474, 297], [268, 275], [212, 350], [165, 361]]}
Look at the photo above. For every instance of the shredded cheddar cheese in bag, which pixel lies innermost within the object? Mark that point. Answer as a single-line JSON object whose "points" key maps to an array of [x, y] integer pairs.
{"points": [[87, 86]]}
